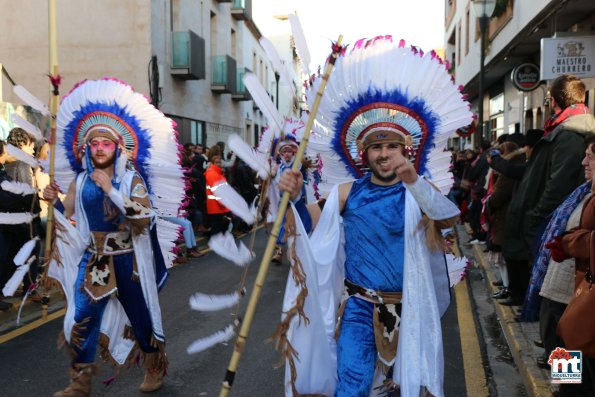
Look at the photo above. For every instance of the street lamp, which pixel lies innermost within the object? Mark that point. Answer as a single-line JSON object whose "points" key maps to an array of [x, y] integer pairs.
{"points": [[483, 11]]}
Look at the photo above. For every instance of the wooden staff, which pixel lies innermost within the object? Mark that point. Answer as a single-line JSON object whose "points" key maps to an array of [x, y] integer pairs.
{"points": [[54, 101], [268, 253]]}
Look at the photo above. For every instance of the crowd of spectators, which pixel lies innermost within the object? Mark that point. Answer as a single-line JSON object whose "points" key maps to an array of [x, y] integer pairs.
{"points": [[526, 198]]}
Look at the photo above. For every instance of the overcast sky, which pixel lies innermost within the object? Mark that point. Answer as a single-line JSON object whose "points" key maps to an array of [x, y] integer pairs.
{"points": [[419, 22]]}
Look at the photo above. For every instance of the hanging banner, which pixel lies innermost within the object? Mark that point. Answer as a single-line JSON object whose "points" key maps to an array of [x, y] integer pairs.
{"points": [[568, 55]]}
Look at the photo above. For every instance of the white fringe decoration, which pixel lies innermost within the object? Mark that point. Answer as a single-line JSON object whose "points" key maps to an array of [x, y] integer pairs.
{"points": [[15, 218], [225, 246], [17, 278], [278, 65], [263, 101], [27, 126], [236, 203], [31, 100], [20, 188], [212, 303], [456, 268], [206, 343], [25, 251], [249, 155], [21, 155], [301, 45]]}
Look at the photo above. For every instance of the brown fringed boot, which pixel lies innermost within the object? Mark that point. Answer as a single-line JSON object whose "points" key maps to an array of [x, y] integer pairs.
{"points": [[80, 381], [155, 366]]}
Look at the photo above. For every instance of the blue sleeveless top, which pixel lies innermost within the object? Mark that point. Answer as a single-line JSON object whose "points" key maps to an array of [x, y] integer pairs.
{"points": [[374, 224], [93, 198]]}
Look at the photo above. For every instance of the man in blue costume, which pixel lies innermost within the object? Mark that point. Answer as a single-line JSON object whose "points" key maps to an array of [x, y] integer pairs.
{"points": [[112, 206], [374, 216]]}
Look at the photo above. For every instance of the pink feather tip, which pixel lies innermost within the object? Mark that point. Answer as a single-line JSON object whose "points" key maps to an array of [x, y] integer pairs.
{"points": [[109, 381], [402, 43]]}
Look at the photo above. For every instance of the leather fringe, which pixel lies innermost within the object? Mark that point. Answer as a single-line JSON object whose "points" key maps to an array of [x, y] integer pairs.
{"points": [[279, 337], [156, 361], [76, 338], [129, 333]]}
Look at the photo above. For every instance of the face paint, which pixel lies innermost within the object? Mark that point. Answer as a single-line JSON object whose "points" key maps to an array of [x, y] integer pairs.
{"points": [[103, 152]]}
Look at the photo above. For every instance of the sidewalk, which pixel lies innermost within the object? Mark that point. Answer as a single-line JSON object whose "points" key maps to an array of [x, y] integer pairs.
{"points": [[520, 337]]}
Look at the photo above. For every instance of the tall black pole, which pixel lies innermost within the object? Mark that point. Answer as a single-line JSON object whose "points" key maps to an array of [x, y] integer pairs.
{"points": [[483, 24], [277, 95]]}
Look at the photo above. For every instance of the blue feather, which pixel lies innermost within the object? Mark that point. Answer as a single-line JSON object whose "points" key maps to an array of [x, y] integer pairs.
{"points": [[396, 97], [143, 138]]}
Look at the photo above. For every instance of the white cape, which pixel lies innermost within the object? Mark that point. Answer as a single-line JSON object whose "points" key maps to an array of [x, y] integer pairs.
{"points": [[426, 295], [71, 245]]}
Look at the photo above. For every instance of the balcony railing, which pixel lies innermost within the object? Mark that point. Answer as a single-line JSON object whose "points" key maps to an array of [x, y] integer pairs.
{"points": [[223, 74], [241, 9], [187, 55], [241, 93]]}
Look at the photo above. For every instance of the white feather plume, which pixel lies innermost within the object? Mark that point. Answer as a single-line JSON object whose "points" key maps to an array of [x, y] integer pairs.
{"points": [[249, 155], [15, 218], [236, 203], [21, 155], [225, 246], [20, 188], [278, 65], [206, 343], [456, 268], [262, 100], [25, 252], [299, 39], [17, 278], [31, 100], [212, 303], [27, 126]]}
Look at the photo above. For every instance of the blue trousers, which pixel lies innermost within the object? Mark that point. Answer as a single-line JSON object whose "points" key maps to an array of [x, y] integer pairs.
{"points": [[89, 313], [356, 350]]}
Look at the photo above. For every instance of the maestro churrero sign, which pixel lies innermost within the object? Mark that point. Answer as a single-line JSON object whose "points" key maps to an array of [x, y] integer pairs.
{"points": [[568, 55]]}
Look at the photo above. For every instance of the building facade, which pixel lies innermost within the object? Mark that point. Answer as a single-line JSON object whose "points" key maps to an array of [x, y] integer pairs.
{"points": [[187, 56], [514, 38]]}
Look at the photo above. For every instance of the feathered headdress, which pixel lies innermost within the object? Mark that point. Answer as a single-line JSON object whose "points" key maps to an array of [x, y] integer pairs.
{"points": [[381, 85], [147, 139]]}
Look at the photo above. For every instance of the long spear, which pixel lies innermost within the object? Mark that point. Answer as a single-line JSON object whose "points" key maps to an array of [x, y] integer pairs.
{"points": [[54, 100], [268, 253]]}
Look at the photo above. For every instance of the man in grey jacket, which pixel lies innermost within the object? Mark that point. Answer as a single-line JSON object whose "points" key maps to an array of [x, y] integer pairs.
{"points": [[553, 172]]}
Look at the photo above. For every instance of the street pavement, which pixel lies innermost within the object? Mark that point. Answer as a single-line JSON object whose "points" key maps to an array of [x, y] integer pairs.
{"points": [[31, 365]]}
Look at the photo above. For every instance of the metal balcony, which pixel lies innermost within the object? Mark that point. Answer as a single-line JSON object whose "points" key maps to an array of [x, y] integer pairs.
{"points": [[223, 74], [187, 56], [241, 10], [241, 93]]}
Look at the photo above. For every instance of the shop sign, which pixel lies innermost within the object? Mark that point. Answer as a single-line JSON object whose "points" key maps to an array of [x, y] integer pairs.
{"points": [[568, 55], [525, 77]]}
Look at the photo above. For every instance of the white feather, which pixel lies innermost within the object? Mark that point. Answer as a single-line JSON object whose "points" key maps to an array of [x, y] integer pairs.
{"points": [[456, 268], [225, 246], [17, 278], [212, 303], [206, 343], [27, 126], [278, 65], [262, 100], [15, 218], [20, 188], [31, 100], [249, 155], [21, 155], [235, 203], [300, 42], [25, 252]]}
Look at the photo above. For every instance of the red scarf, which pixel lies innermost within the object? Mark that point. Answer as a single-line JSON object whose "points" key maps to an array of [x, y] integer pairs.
{"points": [[562, 115]]}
